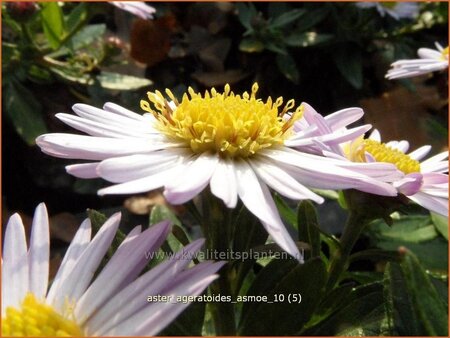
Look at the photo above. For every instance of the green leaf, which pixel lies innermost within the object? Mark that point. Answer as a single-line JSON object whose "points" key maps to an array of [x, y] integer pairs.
{"points": [[189, 323], [107, 80], [348, 60], [287, 66], [283, 279], [413, 304], [375, 255], [361, 312], [286, 212], [245, 14], [87, 35], [251, 45], [441, 224], [24, 111], [53, 23], [308, 226], [312, 18], [77, 15], [306, 39], [161, 213], [287, 18], [97, 219]]}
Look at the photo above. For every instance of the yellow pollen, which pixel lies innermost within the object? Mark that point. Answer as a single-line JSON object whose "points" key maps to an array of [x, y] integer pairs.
{"points": [[444, 53], [225, 123], [383, 153], [36, 319]]}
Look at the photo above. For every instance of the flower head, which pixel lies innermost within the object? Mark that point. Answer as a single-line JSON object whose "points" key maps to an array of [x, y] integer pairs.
{"points": [[238, 144], [138, 8], [430, 61], [397, 10], [422, 182], [77, 304]]}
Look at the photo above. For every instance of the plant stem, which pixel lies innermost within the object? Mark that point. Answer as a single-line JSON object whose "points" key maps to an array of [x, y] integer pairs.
{"points": [[216, 223], [353, 228]]}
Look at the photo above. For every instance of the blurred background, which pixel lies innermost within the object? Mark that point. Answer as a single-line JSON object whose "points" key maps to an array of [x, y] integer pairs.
{"points": [[331, 55]]}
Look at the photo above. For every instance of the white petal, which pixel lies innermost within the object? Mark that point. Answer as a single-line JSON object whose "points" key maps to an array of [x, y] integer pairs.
{"points": [[119, 110], [76, 248], [420, 153], [15, 264], [257, 199], [39, 253], [193, 180], [223, 183], [344, 117], [435, 204]]}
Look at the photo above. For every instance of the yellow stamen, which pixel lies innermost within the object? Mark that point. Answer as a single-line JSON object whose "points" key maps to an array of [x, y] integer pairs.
{"points": [[36, 319], [228, 124], [444, 53]]}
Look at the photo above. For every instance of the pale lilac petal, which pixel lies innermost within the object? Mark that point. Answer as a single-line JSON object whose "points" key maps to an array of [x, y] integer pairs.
{"points": [[129, 259], [409, 185], [15, 264], [375, 135], [154, 317], [76, 248], [257, 199], [435, 204], [282, 182], [342, 118], [146, 183], [78, 279], [151, 283], [137, 8], [39, 253], [132, 167], [95, 148], [223, 183], [427, 53], [84, 170], [193, 180], [420, 153]]}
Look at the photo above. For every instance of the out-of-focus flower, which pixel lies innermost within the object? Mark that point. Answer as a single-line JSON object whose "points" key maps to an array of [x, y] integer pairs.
{"points": [[21, 11], [397, 10], [422, 182], [138, 8], [431, 60], [114, 303], [239, 145]]}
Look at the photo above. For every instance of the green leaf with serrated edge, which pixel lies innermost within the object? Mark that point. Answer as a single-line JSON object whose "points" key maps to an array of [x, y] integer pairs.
{"points": [[24, 111], [348, 60], [430, 310], [53, 23], [287, 66], [288, 316], [306, 39], [287, 18], [441, 224], [308, 226], [286, 212], [161, 213], [362, 308]]}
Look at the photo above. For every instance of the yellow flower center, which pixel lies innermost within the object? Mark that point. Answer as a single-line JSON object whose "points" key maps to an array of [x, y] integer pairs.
{"points": [[444, 53], [228, 124], [355, 151], [36, 319]]}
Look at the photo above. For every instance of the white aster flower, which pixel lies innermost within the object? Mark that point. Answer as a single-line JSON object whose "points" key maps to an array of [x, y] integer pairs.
{"points": [[239, 145], [76, 304], [422, 182], [138, 8], [431, 60], [397, 10]]}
